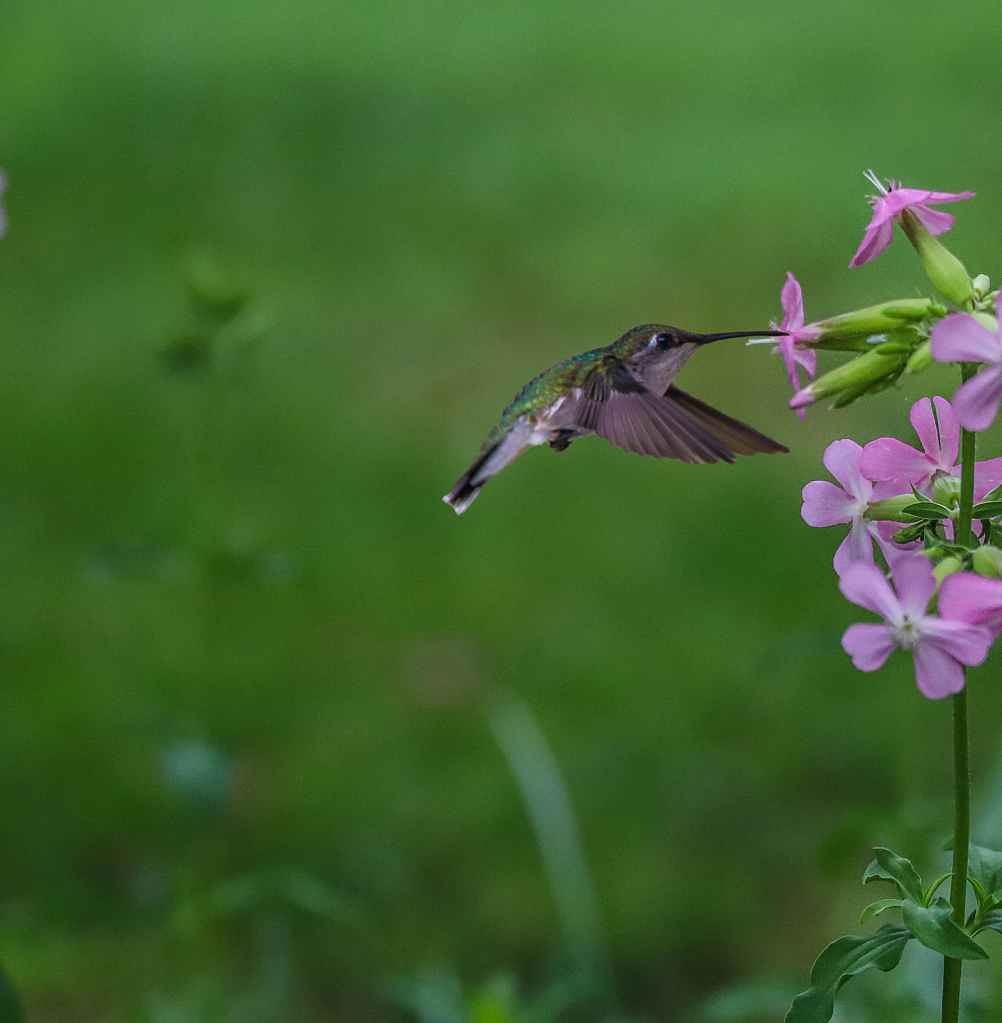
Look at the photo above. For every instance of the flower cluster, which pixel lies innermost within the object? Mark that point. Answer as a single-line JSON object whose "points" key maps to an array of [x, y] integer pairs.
{"points": [[904, 501], [903, 336], [885, 482]]}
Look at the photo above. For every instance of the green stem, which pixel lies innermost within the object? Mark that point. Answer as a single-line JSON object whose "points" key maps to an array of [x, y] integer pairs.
{"points": [[961, 759]]}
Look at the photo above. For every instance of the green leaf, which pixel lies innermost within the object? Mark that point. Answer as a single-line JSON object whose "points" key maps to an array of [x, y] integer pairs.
{"points": [[993, 495], [841, 960], [876, 908], [987, 510], [985, 865], [992, 922], [935, 927], [889, 866], [927, 510]]}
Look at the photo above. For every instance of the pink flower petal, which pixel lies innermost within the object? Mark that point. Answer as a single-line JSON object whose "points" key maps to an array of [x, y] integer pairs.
{"points": [[915, 583], [935, 221], [892, 459], [977, 402], [855, 549], [970, 598], [960, 338], [966, 643], [877, 237], [792, 300], [841, 459], [937, 673], [866, 586], [939, 433], [826, 505], [987, 476], [869, 646]]}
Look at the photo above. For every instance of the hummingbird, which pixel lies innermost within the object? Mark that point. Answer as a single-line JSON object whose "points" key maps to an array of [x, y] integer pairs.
{"points": [[625, 393]]}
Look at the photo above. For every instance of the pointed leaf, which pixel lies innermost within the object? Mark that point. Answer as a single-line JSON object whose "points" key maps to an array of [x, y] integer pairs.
{"points": [[889, 866], [927, 510], [876, 908], [985, 865], [935, 927], [992, 922], [841, 960], [987, 510]]}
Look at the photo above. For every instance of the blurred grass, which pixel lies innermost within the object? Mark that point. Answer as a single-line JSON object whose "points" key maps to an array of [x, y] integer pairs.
{"points": [[428, 204]]}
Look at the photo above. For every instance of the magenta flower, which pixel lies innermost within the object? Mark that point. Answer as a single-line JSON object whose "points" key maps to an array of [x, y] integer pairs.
{"points": [[890, 204], [973, 599], [792, 300], [892, 461], [961, 338], [940, 645], [828, 505]]}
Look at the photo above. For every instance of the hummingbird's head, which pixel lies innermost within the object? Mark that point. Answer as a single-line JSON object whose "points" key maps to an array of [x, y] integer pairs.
{"points": [[656, 352]]}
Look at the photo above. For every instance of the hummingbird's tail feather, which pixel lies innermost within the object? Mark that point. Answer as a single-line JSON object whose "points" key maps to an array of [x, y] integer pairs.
{"points": [[491, 461], [740, 437], [465, 491]]}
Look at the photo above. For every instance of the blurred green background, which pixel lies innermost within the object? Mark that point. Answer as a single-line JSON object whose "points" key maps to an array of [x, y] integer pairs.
{"points": [[276, 725]]}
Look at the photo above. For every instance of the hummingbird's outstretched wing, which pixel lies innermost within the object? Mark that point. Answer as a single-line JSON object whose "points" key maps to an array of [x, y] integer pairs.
{"points": [[619, 408], [738, 436]]}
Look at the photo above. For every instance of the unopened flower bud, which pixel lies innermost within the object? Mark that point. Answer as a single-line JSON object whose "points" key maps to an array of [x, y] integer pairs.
{"points": [[910, 533], [920, 358], [854, 378], [942, 267], [988, 561], [946, 489], [982, 285], [891, 509], [948, 566], [875, 319]]}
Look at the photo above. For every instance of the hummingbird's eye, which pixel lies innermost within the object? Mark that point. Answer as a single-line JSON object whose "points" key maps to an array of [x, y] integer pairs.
{"points": [[665, 340]]}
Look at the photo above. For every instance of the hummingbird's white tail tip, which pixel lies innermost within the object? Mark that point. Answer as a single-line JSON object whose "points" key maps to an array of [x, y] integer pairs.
{"points": [[460, 504]]}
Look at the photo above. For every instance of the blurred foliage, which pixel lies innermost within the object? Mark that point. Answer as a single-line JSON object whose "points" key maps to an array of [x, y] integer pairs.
{"points": [[271, 273]]}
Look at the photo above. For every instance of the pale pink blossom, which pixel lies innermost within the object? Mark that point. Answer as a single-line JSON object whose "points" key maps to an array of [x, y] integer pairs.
{"points": [[890, 204], [792, 301], [828, 505], [961, 338], [939, 645], [892, 461], [973, 599]]}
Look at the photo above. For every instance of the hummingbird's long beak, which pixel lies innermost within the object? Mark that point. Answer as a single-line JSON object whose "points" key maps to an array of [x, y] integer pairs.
{"points": [[705, 339]]}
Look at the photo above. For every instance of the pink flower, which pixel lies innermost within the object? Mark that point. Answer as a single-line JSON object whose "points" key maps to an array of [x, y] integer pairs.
{"points": [[890, 204], [973, 599], [961, 338], [893, 461], [940, 645], [792, 300], [828, 505]]}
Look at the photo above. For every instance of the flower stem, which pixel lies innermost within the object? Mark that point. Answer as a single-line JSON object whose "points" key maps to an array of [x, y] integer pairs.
{"points": [[961, 760]]}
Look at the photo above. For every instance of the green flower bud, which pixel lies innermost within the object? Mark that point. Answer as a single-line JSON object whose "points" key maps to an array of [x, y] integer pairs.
{"points": [[942, 267], [920, 359], [988, 561], [948, 566], [891, 509], [946, 489], [982, 285], [910, 533], [870, 372], [876, 319]]}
